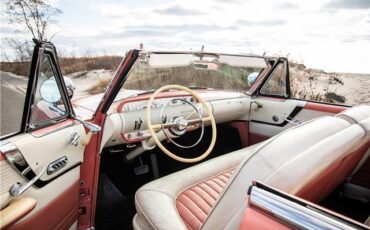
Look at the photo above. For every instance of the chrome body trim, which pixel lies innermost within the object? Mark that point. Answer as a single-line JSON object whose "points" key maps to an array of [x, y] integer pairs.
{"points": [[294, 214]]}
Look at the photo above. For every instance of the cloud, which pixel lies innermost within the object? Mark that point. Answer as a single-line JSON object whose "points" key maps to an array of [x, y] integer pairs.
{"points": [[356, 38], [277, 22], [177, 10], [287, 6], [161, 30], [348, 4]]}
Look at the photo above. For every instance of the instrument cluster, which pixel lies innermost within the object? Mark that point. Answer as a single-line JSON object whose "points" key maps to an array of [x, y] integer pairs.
{"points": [[157, 103]]}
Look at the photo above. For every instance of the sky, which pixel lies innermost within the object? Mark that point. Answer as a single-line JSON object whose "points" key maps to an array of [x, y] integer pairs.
{"points": [[333, 35]]}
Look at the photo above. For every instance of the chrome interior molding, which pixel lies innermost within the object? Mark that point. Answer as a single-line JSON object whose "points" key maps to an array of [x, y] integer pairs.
{"points": [[15, 158], [295, 214]]}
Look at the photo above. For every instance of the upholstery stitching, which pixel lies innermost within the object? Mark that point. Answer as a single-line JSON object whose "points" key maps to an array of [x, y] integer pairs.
{"points": [[217, 181], [214, 198], [195, 203], [202, 181], [210, 205], [198, 186], [190, 211], [211, 186]]}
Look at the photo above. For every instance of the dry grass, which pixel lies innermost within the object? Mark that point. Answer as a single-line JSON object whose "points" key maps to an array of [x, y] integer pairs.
{"points": [[144, 77], [99, 86], [18, 68], [226, 77], [73, 65], [315, 85], [68, 65]]}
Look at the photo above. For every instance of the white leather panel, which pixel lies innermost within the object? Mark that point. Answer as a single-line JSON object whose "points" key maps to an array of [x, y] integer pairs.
{"points": [[270, 107], [272, 130], [112, 131], [41, 151]]}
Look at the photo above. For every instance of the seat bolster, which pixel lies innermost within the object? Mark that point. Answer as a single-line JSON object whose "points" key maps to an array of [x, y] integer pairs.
{"points": [[359, 114], [156, 210], [156, 201]]}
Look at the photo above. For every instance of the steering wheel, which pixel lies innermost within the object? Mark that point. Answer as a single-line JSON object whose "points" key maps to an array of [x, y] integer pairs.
{"points": [[181, 123]]}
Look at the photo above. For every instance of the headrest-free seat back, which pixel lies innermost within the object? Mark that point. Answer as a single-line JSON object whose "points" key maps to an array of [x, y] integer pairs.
{"points": [[289, 161]]}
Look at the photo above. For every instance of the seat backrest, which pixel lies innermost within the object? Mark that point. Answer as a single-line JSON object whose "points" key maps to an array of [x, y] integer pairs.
{"points": [[301, 160], [339, 171], [356, 115]]}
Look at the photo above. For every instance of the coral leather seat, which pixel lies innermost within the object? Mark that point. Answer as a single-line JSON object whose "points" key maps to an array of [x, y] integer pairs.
{"points": [[303, 160]]}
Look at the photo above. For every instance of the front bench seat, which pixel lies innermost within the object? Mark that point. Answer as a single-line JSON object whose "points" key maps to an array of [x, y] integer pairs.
{"points": [[290, 161], [156, 204]]}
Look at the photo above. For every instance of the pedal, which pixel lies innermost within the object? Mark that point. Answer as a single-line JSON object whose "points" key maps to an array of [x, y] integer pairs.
{"points": [[140, 170]]}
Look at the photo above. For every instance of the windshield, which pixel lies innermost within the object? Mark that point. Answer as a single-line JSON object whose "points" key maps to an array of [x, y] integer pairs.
{"points": [[195, 70]]}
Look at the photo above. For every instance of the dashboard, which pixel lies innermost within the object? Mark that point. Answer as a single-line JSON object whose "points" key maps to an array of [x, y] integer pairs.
{"points": [[126, 124]]}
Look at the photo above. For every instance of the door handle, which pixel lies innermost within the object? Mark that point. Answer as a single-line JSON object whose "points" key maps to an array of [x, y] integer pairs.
{"points": [[259, 104], [74, 139], [18, 188], [296, 122]]}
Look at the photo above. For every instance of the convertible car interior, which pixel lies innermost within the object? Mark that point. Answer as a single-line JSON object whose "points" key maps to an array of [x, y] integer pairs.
{"points": [[184, 140], [321, 161], [317, 153]]}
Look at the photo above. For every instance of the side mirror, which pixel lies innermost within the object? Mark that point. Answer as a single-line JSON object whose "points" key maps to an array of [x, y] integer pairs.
{"points": [[49, 91], [70, 86], [252, 78]]}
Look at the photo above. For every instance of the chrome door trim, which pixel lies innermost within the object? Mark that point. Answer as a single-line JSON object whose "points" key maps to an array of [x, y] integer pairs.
{"points": [[295, 214], [15, 159]]}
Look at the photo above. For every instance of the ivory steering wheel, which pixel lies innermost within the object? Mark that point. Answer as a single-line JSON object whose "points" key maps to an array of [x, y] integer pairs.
{"points": [[155, 127]]}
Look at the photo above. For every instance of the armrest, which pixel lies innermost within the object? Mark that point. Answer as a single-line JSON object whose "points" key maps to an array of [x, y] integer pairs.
{"points": [[17, 208]]}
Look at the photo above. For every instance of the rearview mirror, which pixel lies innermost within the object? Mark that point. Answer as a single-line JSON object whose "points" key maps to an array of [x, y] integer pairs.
{"points": [[49, 91], [205, 65]]}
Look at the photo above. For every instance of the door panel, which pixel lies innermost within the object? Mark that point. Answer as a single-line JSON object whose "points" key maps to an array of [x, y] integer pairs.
{"points": [[40, 151], [57, 193], [262, 125], [271, 108]]}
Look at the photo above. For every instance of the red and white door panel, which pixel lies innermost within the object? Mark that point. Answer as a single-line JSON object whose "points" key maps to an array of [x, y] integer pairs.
{"points": [[270, 116]]}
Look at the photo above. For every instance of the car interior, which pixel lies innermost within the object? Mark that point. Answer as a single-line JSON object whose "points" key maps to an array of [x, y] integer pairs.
{"points": [[163, 154], [314, 151], [341, 185]]}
